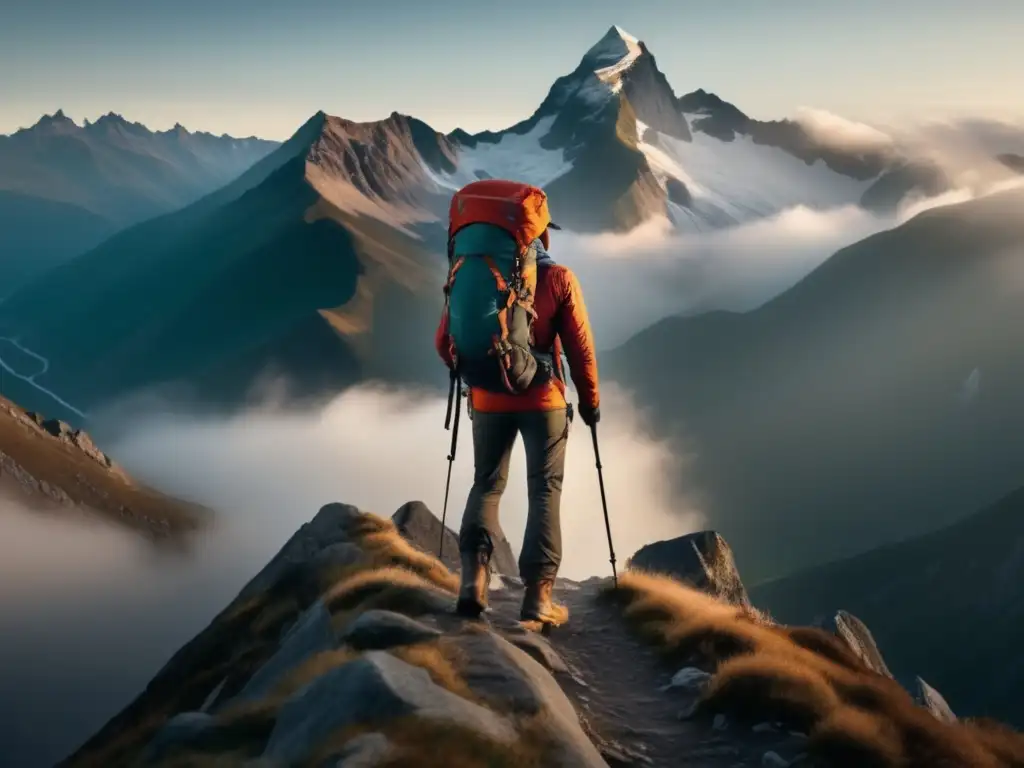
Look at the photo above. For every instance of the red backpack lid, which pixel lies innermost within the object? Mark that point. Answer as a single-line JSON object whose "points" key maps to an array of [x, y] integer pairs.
{"points": [[519, 208]]}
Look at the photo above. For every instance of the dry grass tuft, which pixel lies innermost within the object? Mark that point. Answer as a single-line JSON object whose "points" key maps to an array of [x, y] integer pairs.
{"points": [[999, 739], [387, 547], [759, 687], [309, 670], [442, 661], [680, 621], [386, 588], [824, 644], [806, 678], [853, 738]]}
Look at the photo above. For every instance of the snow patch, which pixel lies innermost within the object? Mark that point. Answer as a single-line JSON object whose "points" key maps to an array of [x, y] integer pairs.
{"points": [[738, 181], [612, 72], [514, 156]]}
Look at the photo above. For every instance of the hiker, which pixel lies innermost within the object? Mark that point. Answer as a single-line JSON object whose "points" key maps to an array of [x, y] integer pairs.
{"points": [[509, 313]]}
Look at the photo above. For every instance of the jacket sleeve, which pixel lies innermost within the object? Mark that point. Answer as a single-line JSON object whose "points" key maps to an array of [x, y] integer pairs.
{"points": [[578, 339], [442, 341]]}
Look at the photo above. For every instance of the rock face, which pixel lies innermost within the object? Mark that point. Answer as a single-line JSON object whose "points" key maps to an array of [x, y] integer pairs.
{"points": [[310, 635], [377, 630], [374, 688], [421, 527], [499, 672], [933, 701], [702, 559], [858, 637], [47, 463], [321, 665]]}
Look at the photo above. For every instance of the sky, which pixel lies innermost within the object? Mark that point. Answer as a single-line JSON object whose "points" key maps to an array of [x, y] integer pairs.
{"points": [[261, 67]]}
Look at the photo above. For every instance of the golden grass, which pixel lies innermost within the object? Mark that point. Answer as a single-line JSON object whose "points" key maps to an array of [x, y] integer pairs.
{"points": [[442, 661], [385, 588], [386, 547], [310, 670], [806, 679], [392, 575], [762, 687], [852, 737]]}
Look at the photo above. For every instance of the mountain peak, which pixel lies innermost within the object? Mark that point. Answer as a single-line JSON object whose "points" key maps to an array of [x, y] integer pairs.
{"points": [[617, 48], [58, 118], [111, 118], [617, 30]]}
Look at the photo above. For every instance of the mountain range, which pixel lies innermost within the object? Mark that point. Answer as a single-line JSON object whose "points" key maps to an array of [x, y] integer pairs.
{"points": [[876, 398], [872, 400], [344, 221], [64, 187]]}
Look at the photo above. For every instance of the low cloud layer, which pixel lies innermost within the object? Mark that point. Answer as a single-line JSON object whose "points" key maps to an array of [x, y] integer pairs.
{"points": [[127, 607], [634, 279], [836, 132], [88, 614], [270, 470]]}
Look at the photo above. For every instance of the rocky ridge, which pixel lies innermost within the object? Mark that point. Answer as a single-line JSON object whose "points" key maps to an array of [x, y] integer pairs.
{"points": [[50, 465], [344, 651]]}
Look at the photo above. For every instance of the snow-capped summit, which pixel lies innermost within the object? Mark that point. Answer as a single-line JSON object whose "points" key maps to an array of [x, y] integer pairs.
{"points": [[614, 145], [616, 49]]}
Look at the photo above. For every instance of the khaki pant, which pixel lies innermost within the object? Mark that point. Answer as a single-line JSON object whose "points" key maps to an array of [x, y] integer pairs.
{"points": [[545, 434]]}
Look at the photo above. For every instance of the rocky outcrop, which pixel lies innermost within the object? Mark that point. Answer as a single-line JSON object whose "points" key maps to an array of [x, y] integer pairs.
{"points": [[48, 464], [373, 688], [933, 701], [421, 527], [858, 637], [702, 559], [344, 650], [63, 432]]}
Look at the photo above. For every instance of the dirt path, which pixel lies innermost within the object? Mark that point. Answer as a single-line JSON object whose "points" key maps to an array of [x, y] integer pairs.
{"points": [[615, 682]]}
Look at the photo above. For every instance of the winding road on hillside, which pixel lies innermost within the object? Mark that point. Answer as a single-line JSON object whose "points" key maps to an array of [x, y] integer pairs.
{"points": [[31, 378]]}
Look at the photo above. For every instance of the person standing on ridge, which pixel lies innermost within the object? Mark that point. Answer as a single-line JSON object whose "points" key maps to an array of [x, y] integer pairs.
{"points": [[510, 310]]}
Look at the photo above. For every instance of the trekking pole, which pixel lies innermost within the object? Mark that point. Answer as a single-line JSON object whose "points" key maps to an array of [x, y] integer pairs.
{"points": [[604, 503], [454, 391]]}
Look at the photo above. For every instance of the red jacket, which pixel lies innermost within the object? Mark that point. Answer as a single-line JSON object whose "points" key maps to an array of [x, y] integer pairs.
{"points": [[561, 320]]}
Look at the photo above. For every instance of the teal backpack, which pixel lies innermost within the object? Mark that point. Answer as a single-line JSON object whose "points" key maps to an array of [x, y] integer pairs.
{"points": [[491, 283]]}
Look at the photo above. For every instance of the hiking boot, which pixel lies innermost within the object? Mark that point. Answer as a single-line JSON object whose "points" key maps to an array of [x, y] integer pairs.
{"points": [[538, 604], [476, 577]]}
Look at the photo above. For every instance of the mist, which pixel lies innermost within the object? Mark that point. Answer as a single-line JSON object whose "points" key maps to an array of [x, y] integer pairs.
{"points": [[633, 279], [269, 470], [832, 131], [88, 614]]}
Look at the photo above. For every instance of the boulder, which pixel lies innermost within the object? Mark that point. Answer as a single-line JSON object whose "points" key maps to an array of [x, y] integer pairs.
{"points": [[327, 528], [422, 528], [496, 671], [858, 637], [379, 630], [374, 688], [933, 701], [311, 634], [690, 679], [703, 560], [539, 648]]}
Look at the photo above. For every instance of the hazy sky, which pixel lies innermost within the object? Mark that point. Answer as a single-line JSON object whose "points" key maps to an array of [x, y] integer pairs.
{"points": [[263, 66]]}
